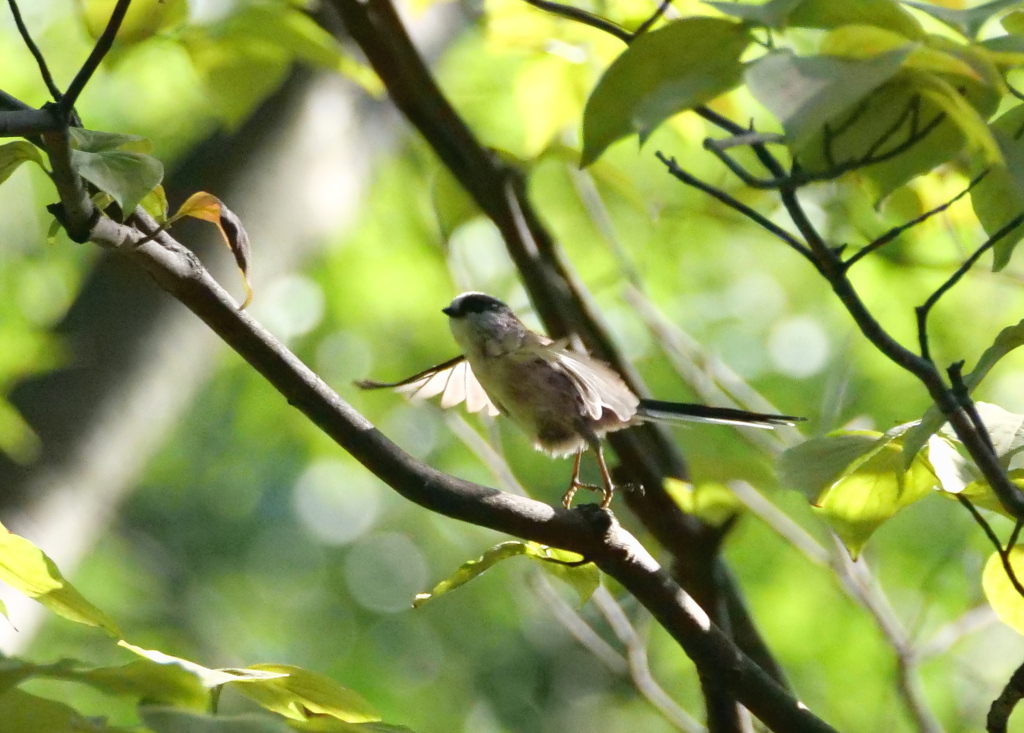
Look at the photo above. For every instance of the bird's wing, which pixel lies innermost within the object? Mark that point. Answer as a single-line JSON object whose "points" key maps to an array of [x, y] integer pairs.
{"points": [[600, 386], [453, 380]]}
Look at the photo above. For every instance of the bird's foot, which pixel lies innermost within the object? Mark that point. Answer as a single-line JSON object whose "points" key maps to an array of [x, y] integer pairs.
{"points": [[606, 493]]}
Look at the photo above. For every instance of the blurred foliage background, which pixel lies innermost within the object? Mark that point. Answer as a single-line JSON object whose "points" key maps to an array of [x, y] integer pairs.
{"points": [[243, 535]]}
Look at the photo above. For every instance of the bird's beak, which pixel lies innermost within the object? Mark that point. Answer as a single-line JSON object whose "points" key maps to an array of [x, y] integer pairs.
{"points": [[448, 311]]}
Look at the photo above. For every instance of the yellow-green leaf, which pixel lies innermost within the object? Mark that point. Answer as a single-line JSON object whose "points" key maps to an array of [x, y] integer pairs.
{"points": [[1004, 598], [713, 503], [27, 569], [15, 153], [674, 68], [300, 694], [210, 678], [872, 493]]}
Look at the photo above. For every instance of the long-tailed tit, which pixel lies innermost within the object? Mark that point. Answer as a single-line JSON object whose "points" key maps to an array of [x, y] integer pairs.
{"points": [[563, 400]]}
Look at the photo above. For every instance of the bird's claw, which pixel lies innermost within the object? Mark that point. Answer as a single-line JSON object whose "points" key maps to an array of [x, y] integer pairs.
{"points": [[606, 493]]}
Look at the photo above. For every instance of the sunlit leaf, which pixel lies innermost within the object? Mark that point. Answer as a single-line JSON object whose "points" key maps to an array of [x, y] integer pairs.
{"points": [[865, 42], [209, 678], [206, 206], [155, 204], [582, 577], [968, 21], [144, 19], [15, 153], [666, 71], [772, 14], [300, 694], [856, 480], [712, 503], [142, 679], [1004, 598], [814, 465], [828, 14], [804, 93], [25, 567], [954, 472], [962, 113], [999, 198], [872, 493], [472, 569], [1008, 339]]}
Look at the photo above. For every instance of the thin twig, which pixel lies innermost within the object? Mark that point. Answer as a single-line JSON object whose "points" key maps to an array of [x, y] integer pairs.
{"points": [[44, 70], [583, 16], [898, 230], [646, 25], [924, 310], [963, 397], [639, 669], [1004, 553], [99, 51], [576, 625], [799, 178], [942, 641], [728, 200]]}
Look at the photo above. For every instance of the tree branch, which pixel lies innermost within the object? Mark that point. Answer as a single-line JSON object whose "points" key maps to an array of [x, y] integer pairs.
{"points": [[99, 51], [44, 70], [587, 530]]}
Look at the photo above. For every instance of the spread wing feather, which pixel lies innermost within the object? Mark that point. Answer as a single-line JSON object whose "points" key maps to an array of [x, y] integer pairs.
{"points": [[453, 380], [600, 387]]}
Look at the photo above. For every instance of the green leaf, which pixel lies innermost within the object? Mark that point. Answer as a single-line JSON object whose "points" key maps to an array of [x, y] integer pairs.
{"points": [[472, 569], [814, 465], [173, 720], [97, 141], [209, 678], [144, 19], [155, 204], [15, 153], [299, 694], [969, 21], [21, 712], [865, 42], [125, 175], [772, 14], [828, 14], [999, 198], [1013, 22], [712, 503], [584, 578], [144, 680], [25, 567], [804, 93], [962, 113], [666, 71], [871, 493], [1008, 339], [1005, 600]]}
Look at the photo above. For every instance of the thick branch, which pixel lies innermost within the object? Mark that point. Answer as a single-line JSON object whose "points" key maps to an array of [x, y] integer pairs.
{"points": [[586, 530]]}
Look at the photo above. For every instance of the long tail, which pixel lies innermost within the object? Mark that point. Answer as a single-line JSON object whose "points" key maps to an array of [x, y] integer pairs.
{"points": [[685, 411]]}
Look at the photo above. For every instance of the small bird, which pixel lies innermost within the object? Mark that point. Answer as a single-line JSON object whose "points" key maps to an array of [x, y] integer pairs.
{"points": [[563, 400]]}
